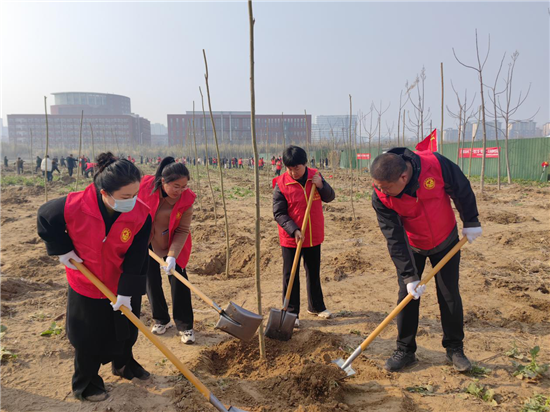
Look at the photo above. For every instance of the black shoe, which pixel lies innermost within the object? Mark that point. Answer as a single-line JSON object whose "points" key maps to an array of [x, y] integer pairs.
{"points": [[400, 359], [458, 359], [131, 370]]}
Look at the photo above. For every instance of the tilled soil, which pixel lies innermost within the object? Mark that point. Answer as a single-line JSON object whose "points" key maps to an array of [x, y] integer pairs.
{"points": [[505, 284]]}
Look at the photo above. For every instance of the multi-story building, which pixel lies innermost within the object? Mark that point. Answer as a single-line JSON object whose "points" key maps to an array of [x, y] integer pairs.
{"points": [[333, 126], [546, 129], [91, 103], [107, 116], [522, 129], [234, 128]]}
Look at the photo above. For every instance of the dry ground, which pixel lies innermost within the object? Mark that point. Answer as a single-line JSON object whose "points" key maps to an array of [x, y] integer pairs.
{"points": [[505, 283]]}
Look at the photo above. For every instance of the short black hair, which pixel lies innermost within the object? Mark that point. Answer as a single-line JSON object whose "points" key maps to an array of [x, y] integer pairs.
{"points": [[112, 173], [294, 156], [387, 167]]}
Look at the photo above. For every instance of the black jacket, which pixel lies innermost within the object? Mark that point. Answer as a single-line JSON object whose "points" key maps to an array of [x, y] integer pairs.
{"points": [[280, 204], [457, 186]]}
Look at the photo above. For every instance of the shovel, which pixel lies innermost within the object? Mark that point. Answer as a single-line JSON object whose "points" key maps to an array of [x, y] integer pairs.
{"points": [[281, 323], [234, 320], [346, 366], [139, 324]]}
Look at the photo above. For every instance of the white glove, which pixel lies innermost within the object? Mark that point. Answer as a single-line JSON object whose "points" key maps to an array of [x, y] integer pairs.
{"points": [[170, 264], [122, 300], [472, 233], [71, 255], [413, 290]]}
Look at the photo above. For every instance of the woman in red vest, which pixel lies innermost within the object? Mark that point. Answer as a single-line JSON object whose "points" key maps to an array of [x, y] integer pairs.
{"points": [[278, 167], [107, 228], [290, 197], [171, 207]]}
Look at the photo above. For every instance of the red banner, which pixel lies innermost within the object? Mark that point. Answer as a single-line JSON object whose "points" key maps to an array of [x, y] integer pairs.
{"points": [[364, 156], [490, 152]]}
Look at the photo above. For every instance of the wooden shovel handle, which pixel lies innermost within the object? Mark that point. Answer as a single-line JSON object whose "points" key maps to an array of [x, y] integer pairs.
{"points": [[299, 247], [192, 287], [409, 297], [139, 324]]}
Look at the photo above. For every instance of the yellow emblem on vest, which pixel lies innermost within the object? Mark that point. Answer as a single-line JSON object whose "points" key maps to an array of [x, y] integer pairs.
{"points": [[429, 183], [178, 215], [126, 235]]}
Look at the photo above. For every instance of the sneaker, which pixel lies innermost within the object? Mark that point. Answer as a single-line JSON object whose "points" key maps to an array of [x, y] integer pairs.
{"points": [[458, 359], [297, 323], [400, 359], [326, 314], [160, 329], [188, 336]]}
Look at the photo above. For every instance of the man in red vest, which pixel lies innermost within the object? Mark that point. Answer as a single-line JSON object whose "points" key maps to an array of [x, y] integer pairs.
{"points": [[411, 197], [290, 197]]}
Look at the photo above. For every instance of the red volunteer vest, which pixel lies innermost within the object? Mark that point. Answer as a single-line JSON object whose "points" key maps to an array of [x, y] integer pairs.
{"points": [[102, 255], [429, 218], [185, 201], [297, 197]]}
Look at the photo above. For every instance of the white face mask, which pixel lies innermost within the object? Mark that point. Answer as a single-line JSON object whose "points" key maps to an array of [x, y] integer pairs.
{"points": [[124, 205]]}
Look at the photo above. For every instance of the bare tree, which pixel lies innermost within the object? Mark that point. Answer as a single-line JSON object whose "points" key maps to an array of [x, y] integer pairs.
{"points": [[79, 167], [463, 117], [442, 111], [493, 98], [350, 162], [479, 70], [46, 155], [206, 157], [256, 176], [196, 158], [370, 132], [380, 113], [507, 110], [228, 252], [422, 115], [473, 138]]}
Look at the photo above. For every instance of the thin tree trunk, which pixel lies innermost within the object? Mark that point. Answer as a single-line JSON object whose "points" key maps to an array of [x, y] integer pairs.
{"points": [[32, 168], [196, 158], [350, 162], [484, 132], [472, 145], [228, 252], [46, 155], [93, 150], [442, 111], [404, 143], [496, 138], [206, 163], [79, 167], [256, 179], [283, 129], [116, 139], [458, 136], [508, 174], [307, 134]]}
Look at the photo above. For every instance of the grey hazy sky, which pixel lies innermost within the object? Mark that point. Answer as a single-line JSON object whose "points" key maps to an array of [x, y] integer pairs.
{"points": [[308, 55]]}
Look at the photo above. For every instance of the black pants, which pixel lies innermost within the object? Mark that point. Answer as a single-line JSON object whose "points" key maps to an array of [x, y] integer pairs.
{"points": [[312, 264], [448, 297], [182, 309], [70, 169], [99, 336]]}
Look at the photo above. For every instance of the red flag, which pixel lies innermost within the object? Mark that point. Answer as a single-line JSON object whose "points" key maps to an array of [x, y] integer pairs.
{"points": [[429, 143]]}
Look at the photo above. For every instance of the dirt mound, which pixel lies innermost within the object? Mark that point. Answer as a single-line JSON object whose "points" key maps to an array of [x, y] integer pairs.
{"points": [[504, 218], [296, 372], [68, 179], [13, 288], [238, 358], [14, 198], [348, 262], [241, 260]]}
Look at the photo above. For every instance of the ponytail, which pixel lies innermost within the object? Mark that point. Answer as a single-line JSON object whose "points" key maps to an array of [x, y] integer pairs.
{"points": [[170, 171]]}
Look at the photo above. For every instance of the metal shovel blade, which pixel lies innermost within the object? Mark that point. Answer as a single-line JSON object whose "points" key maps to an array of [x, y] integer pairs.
{"points": [[280, 324], [340, 362], [239, 322]]}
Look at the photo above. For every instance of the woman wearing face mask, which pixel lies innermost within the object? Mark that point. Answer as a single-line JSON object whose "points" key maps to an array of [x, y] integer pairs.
{"points": [[107, 229], [171, 207]]}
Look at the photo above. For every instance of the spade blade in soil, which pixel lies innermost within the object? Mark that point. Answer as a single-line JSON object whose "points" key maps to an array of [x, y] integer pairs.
{"points": [[280, 324], [340, 362], [239, 322]]}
